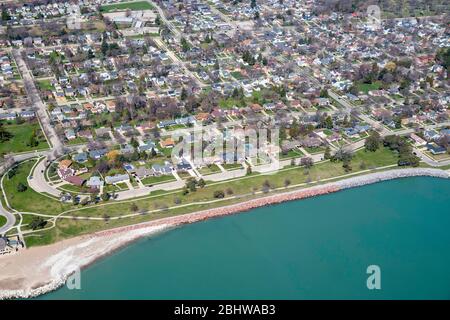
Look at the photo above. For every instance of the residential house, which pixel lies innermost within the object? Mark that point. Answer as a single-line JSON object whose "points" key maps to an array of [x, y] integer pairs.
{"points": [[167, 143], [70, 134], [65, 164], [75, 180], [94, 182], [98, 153], [165, 169], [80, 157], [118, 178], [143, 172]]}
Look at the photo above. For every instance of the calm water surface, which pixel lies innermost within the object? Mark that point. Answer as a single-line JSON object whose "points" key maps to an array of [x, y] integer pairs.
{"points": [[308, 249]]}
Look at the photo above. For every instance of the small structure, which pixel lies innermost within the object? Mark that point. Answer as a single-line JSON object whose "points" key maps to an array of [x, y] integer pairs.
{"points": [[183, 165], [436, 149], [143, 172], [165, 169], [9, 245], [75, 180], [94, 182], [65, 164], [417, 140], [118, 178], [80, 157], [167, 143]]}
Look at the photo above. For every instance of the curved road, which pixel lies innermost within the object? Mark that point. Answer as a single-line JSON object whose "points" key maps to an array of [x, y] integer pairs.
{"points": [[10, 218]]}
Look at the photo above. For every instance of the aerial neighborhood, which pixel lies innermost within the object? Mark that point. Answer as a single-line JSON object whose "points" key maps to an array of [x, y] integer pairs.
{"points": [[96, 96]]}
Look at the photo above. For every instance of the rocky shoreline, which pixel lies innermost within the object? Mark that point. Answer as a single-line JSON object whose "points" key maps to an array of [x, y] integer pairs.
{"points": [[82, 251]]}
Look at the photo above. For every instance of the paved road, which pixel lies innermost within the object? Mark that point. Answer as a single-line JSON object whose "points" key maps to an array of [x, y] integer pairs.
{"points": [[10, 218], [35, 99], [38, 182], [169, 24], [178, 61]]}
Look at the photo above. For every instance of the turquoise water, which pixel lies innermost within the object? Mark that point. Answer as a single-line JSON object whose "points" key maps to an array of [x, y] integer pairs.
{"points": [[315, 248]]}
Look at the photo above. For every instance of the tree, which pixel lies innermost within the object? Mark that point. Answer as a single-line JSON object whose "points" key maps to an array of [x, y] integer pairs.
{"points": [[37, 223], [373, 142], [33, 142], [105, 46], [112, 155], [4, 134], [219, 194], [134, 207], [5, 14], [327, 154], [21, 187], [307, 162], [201, 183], [185, 45], [347, 165], [287, 182], [191, 184], [328, 123], [105, 196], [183, 95]]}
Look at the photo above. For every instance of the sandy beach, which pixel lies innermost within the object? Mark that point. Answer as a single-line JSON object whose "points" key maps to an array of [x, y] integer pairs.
{"points": [[38, 270]]}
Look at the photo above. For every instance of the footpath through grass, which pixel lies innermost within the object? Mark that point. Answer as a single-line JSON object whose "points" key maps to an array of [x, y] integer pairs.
{"points": [[242, 187], [29, 200]]}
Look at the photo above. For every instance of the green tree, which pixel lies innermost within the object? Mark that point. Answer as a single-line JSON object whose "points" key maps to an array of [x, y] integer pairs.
{"points": [[183, 95], [191, 184], [21, 187], [328, 122], [5, 14], [37, 223], [327, 154], [185, 45], [201, 183], [219, 194], [4, 134], [373, 142]]}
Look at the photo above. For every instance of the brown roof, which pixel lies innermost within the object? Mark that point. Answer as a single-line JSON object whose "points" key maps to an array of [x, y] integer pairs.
{"points": [[75, 180], [65, 163]]}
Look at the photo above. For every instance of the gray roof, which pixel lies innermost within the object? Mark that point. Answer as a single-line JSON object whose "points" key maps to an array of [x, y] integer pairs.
{"points": [[117, 178]]}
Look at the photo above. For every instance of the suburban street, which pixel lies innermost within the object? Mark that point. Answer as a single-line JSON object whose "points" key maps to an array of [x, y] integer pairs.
{"points": [[35, 99]]}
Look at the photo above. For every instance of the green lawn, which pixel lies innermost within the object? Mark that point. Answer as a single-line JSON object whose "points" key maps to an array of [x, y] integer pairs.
{"points": [[44, 85], [232, 166], [21, 137], [29, 200], [133, 6], [314, 150], [243, 187], [2, 221], [209, 170], [237, 75], [366, 87], [291, 154], [77, 140], [155, 180]]}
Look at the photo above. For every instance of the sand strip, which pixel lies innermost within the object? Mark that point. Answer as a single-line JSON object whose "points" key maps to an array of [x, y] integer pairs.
{"points": [[38, 270]]}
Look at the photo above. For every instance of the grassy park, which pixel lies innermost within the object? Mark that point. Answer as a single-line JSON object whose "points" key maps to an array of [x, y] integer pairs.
{"points": [[162, 204], [21, 135], [133, 6], [2, 221]]}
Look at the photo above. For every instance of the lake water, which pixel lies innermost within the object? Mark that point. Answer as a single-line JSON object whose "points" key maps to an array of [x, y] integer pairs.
{"points": [[316, 248]]}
